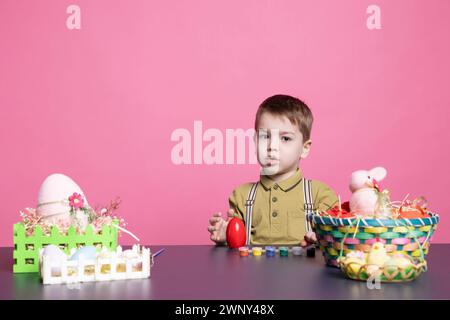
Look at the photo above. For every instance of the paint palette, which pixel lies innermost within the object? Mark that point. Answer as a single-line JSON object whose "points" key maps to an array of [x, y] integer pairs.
{"points": [[271, 251]]}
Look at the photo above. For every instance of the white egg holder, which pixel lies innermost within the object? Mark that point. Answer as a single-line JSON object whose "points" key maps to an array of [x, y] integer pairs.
{"points": [[137, 264]]}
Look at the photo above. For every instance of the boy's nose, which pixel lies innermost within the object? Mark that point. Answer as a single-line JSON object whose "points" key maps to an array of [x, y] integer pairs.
{"points": [[273, 144], [272, 148]]}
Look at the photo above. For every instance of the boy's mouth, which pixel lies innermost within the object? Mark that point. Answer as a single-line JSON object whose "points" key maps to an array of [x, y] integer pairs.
{"points": [[271, 157], [270, 161]]}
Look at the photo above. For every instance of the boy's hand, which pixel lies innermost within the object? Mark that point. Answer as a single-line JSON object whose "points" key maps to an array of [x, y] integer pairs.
{"points": [[310, 238], [218, 227]]}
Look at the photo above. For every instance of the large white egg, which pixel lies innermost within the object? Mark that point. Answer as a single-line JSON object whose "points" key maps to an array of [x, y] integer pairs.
{"points": [[53, 198]]}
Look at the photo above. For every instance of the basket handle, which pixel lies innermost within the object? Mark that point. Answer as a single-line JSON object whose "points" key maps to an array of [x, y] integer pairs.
{"points": [[345, 237]]}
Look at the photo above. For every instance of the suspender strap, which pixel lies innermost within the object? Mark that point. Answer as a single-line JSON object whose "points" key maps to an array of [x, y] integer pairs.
{"points": [[308, 199], [249, 210]]}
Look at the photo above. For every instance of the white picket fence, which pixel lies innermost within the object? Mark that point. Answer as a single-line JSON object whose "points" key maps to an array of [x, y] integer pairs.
{"points": [[116, 267]]}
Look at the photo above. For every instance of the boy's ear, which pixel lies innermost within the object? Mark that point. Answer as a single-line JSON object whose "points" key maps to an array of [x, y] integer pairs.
{"points": [[306, 149]]}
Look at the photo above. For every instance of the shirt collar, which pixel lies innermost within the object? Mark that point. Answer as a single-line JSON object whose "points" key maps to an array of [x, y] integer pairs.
{"points": [[284, 185]]}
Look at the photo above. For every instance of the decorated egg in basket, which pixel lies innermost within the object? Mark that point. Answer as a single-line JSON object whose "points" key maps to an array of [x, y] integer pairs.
{"points": [[59, 194]]}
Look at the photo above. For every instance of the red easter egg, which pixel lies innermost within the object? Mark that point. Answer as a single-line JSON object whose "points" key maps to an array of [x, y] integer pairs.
{"points": [[343, 212], [236, 236], [414, 212]]}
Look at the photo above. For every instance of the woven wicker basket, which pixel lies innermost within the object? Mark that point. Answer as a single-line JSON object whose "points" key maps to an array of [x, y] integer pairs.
{"points": [[349, 234]]}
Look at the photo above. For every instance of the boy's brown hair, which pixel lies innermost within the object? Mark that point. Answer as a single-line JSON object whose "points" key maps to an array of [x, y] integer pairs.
{"points": [[293, 108]]}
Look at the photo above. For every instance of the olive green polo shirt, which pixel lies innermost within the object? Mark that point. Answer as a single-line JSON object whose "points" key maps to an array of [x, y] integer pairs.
{"points": [[278, 211]]}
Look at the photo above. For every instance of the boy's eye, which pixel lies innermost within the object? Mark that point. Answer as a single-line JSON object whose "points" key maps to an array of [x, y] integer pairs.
{"points": [[286, 138], [263, 136]]}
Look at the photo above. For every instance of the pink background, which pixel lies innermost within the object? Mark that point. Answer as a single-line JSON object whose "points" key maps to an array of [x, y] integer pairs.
{"points": [[99, 104]]}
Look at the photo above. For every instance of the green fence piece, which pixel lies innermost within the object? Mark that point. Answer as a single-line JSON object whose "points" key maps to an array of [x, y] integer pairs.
{"points": [[26, 248]]}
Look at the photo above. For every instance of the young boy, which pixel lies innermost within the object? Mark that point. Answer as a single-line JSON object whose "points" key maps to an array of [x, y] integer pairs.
{"points": [[274, 209]]}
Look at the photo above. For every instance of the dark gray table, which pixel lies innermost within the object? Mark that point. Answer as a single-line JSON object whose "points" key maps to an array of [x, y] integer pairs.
{"points": [[208, 272]]}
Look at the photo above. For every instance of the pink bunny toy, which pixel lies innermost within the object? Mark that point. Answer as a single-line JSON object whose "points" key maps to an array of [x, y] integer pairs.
{"points": [[365, 198]]}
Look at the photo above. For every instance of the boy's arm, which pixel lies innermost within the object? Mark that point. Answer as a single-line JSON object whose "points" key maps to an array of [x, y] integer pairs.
{"points": [[237, 200], [324, 197]]}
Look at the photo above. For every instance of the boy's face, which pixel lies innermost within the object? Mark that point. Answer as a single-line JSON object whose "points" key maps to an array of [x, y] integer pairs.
{"points": [[279, 144]]}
